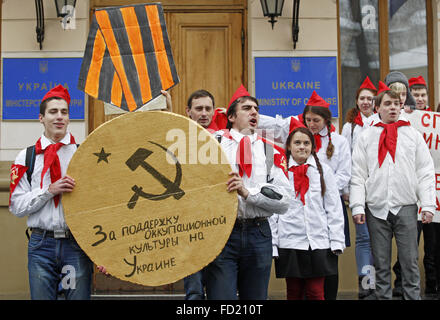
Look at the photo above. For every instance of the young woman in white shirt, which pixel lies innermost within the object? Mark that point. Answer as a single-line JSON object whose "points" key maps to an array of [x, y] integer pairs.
{"points": [[331, 149], [335, 152], [308, 238], [357, 119]]}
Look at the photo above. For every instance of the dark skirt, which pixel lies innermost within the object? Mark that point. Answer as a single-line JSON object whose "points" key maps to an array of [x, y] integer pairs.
{"points": [[293, 263]]}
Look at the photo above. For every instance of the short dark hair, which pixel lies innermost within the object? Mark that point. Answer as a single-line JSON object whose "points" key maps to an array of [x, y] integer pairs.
{"points": [[418, 87], [43, 104], [200, 94], [232, 108], [393, 94]]}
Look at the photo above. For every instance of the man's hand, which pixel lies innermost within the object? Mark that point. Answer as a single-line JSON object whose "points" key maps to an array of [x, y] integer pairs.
{"points": [[65, 184], [427, 217], [236, 183], [359, 218], [103, 270], [408, 109], [168, 100]]}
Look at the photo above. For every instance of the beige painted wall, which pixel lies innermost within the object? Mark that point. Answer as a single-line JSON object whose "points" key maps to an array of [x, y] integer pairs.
{"points": [[18, 39]]}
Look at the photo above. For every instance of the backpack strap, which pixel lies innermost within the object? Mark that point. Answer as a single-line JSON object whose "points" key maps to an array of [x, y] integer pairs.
{"points": [[30, 162]]}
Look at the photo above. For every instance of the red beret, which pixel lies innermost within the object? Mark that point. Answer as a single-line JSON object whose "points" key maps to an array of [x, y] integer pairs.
{"points": [[418, 80], [367, 84], [316, 101], [241, 92], [59, 92]]}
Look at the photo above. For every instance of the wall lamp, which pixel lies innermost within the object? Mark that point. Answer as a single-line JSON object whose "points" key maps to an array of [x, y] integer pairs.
{"points": [[64, 9], [274, 9]]}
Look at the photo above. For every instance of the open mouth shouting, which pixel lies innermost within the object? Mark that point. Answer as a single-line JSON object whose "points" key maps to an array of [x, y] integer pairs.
{"points": [[253, 122]]}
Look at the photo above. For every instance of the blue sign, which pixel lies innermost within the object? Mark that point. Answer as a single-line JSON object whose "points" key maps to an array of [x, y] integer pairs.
{"points": [[26, 81], [283, 85]]}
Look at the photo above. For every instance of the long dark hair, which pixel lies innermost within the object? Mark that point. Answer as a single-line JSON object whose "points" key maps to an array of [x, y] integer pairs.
{"points": [[327, 115], [312, 140]]}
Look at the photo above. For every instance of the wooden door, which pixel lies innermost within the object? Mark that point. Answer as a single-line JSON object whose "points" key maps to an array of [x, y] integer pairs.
{"points": [[209, 49]]}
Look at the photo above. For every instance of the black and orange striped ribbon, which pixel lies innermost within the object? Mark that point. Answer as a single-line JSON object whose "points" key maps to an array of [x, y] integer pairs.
{"points": [[128, 58]]}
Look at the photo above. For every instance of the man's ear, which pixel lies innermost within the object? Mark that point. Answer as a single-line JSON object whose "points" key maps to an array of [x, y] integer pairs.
{"points": [[40, 117], [187, 111]]}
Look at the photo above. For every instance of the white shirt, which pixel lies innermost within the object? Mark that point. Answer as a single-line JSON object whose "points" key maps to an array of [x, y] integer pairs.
{"points": [[257, 204], [395, 184], [339, 162], [351, 136], [34, 202], [319, 223]]}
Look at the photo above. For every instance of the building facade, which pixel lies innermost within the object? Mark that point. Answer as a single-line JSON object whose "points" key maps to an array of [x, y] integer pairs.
{"points": [[217, 45]]}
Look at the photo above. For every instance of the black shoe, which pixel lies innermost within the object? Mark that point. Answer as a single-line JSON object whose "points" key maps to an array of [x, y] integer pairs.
{"points": [[371, 296], [430, 290], [363, 293], [397, 292]]}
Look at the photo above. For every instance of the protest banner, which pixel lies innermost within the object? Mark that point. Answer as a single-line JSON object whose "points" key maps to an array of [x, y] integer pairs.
{"points": [[428, 123]]}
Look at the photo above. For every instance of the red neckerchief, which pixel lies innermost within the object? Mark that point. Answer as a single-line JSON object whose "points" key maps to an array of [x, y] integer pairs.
{"points": [[358, 119], [301, 180], [219, 120], [318, 142], [244, 156], [388, 139], [52, 162], [279, 158]]}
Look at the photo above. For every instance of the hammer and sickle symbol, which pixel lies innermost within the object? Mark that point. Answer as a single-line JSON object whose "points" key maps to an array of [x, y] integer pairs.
{"points": [[171, 188]]}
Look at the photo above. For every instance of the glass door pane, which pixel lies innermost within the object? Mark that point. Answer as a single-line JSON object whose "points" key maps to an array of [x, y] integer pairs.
{"points": [[359, 47], [407, 37]]}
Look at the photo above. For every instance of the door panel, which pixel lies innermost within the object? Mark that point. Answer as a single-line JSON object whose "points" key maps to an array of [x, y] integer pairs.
{"points": [[207, 48]]}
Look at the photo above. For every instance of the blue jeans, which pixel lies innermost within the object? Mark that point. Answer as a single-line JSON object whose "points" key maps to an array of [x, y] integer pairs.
{"points": [[58, 263], [243, 266], [364, 256], [194, 286]]}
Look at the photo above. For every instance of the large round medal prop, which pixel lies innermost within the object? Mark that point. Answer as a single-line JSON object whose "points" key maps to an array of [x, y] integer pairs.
{"points": [[150, 202]]}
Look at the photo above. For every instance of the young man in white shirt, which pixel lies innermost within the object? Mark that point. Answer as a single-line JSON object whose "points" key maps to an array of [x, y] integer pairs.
{"points": [[392, 169], [54, 258], [243, 267]]}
